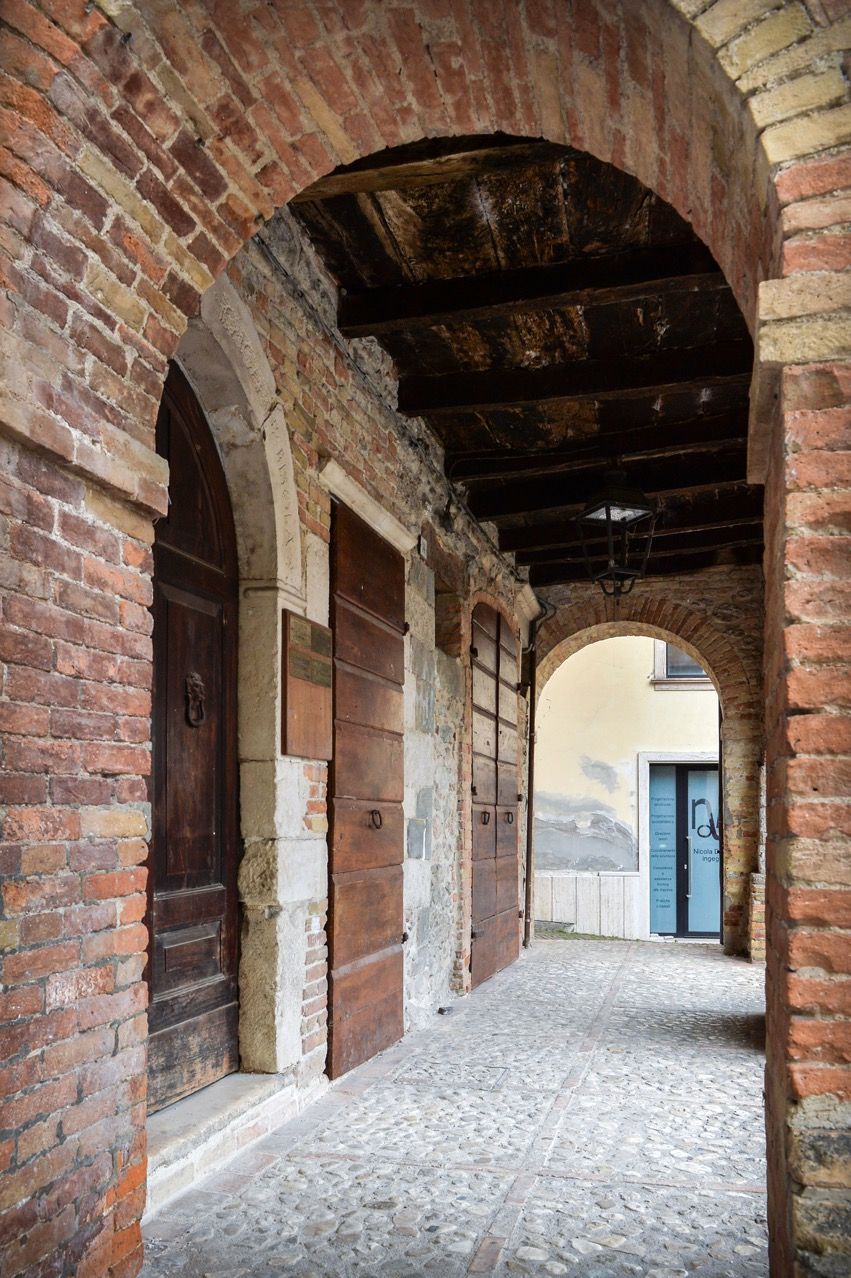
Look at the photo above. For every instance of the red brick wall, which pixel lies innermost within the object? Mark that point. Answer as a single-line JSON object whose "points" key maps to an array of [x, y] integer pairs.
{"points": [[76, 650], [137, 160], [808, 647]]}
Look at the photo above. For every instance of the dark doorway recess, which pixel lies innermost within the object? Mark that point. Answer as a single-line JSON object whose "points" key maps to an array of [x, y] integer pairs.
{"points": [[496, 911], [192, 892], [367, 840]]}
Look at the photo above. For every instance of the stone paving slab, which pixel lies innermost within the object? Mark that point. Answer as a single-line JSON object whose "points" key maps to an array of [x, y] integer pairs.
{"points": [[593, 1111], [616, 1231]]}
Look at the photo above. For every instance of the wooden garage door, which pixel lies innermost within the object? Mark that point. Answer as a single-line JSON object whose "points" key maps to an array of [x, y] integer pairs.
{"points": [[496, 882], [192, 893], [366, 910]]}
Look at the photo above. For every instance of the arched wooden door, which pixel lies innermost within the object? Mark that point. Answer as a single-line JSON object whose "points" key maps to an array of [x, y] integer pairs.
{"points": [[496, 910], [192, 894]]}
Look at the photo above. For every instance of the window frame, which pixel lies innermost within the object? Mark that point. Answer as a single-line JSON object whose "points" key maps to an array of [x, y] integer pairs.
{"points": [[663, 682]]}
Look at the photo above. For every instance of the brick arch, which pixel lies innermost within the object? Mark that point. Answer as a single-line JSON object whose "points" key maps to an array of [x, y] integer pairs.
{"points": [[574, 627], [738, 691], [144, 148], [178, 157]]}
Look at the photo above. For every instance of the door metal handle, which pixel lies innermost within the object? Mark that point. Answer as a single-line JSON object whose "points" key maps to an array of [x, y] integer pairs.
{"points": [[509, 817], [376, 820], [486, 816]]}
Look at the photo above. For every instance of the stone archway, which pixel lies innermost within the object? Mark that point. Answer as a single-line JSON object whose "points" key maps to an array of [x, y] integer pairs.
{"points": [[224, 360], [738, 691], [138, 168]]}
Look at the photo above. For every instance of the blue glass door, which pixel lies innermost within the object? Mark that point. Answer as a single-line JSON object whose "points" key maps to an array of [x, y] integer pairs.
{"points": [[663, 850], [685, 850], [704, 851]]}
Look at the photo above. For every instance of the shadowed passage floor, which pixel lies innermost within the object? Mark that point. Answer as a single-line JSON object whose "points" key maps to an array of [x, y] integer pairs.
{"points": [[594, 1111]]}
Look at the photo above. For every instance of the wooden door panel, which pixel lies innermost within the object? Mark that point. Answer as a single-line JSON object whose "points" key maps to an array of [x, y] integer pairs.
{"points": [[191, 851], [507, 744], [191, 1006], [381, 589], [368, 764], [508, 928], [484, 831], [506, 789], [182, 909], [508, 703], [506, 883], [188, 1055], [484, 691], [495, 903], [364, 642], [362, 840], [192, 894], [188, 954], [484, 650], [362, 698], [484, 888], [366, 906], [508, 668], [484, 955], [484, 779], [506, 830], [484, 734], [368, 914], [366, 1011]]}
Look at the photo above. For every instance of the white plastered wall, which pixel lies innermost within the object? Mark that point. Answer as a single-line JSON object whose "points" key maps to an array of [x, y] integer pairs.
{"points": [[600, 720]]}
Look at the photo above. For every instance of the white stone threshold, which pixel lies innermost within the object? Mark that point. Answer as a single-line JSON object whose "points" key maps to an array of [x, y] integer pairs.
{"points": [[196, 1136]]}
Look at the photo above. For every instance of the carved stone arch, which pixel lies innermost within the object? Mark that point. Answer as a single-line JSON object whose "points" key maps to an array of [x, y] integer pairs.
{"points": [[224, 360]]}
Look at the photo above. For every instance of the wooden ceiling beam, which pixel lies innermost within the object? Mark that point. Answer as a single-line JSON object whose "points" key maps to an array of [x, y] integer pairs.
{"points": [[594, 281], [480, 391], [657, 478], [692, 435], [717, 508], [405, 175], [746, 552], [669, 541]]}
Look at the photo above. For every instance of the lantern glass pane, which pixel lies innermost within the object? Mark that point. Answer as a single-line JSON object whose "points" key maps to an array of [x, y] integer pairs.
{"points": [[626, 514], [617, 514]]}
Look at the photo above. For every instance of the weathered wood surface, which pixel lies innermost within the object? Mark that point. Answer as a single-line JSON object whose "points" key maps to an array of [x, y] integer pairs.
{"points": [[192, 895], [495, 906], [366, 844]]}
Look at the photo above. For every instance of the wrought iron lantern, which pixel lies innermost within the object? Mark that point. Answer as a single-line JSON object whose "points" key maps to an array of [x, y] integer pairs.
{"points": [[616, 530]]}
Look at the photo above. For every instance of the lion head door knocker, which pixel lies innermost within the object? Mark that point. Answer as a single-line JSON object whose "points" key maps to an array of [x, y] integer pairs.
{"points": [[195, 696]]}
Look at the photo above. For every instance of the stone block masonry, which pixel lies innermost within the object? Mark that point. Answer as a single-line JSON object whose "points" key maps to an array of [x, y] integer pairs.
{"points": [[143, 146]]}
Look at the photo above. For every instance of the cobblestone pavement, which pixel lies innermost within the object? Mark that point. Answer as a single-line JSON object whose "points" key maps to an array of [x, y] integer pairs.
{"points": [[594, 1111]]}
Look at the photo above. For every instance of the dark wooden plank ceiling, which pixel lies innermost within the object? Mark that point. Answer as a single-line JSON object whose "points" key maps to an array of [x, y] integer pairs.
{"points": [[547, 316]]}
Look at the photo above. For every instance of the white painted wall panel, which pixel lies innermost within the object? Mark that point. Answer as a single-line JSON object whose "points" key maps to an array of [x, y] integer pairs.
{"points": [[564, 898], [611, 905], [601, 905]]}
